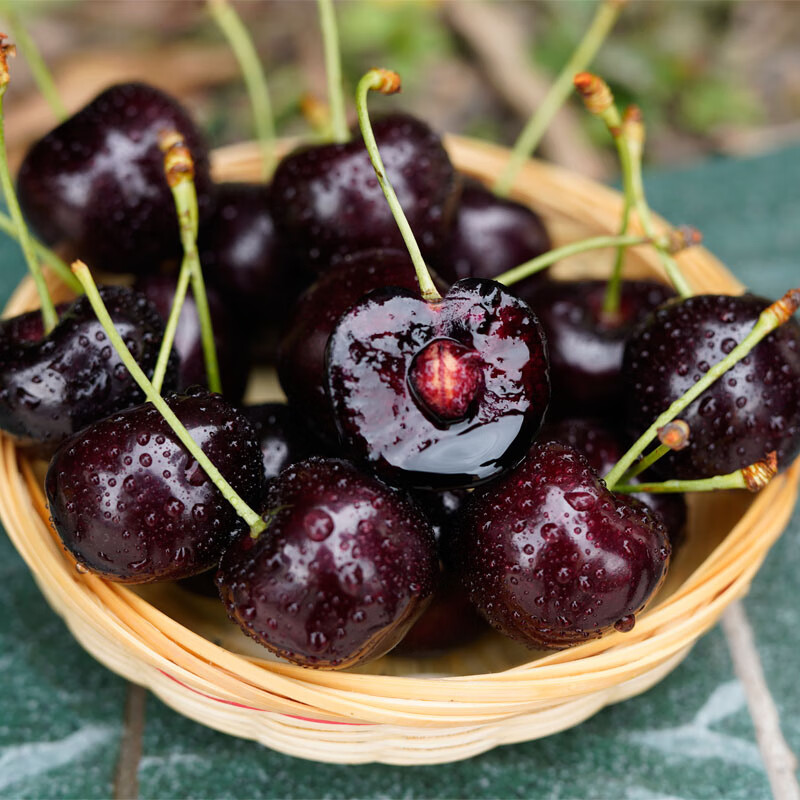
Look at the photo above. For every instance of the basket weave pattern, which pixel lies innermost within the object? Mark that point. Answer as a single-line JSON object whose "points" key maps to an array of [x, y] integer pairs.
{"points": [[396, 710]]}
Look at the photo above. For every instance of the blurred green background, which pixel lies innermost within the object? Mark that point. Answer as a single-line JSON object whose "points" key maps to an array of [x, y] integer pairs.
{"points": [[712, 76]]}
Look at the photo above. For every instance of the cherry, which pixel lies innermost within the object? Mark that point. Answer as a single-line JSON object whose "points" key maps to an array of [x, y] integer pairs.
{"points": [[552, 558], [130, 503], [585, 346], [327, 203], [752, 410], [602, 448], [231, 348], [343, 570], [281, 434], [464, 415], [490, 235], [96, 182], [52, 386], [301, 353]]}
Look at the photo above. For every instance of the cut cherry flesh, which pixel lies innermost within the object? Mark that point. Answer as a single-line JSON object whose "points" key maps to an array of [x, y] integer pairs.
{"points": [[371, 351], [96, 182], [585, 348], [53, 386], [343, 570], [327, 203], [491, 235], [130, 503], [552, 558], [750, 411]]}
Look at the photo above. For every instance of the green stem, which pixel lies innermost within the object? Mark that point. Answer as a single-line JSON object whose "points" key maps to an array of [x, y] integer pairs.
{"points": [[733, 480], [769, 319], [242, 45], [654, 455], [604, 19], [388, 83], [49, 316], [543, 261], [41, 74], [43, 253], [228, 492], [171, 327], [333, 70]]}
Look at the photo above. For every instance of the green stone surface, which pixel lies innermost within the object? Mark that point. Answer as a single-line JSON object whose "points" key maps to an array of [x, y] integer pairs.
{"points": [[689, 737]]}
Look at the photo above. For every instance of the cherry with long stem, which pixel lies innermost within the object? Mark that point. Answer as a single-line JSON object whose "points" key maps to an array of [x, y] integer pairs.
{"points": [[243, 48], [387, 82], [604, 19], [253, 520], [49, 316], [771, 318], [333, 70]]}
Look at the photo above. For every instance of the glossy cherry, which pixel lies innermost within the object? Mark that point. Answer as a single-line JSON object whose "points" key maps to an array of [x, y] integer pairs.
{"points": [[130, 503], [343, 570], [463, 417], [752, 410], [552, 558], [52, 386], [585, 347], [327, 203], [96, 182], [490, 235]]}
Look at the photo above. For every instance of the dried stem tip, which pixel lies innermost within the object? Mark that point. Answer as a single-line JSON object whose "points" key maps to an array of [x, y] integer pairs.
{"points": [[682, 237], [386, 81], [178, 162], [633, 124], [6, 51], [596, 94], [674, 435], [758, 475], [786, 306]]}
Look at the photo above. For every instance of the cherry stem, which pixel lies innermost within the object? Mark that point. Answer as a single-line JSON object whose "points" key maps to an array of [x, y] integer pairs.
{"points": [[240, 41], [753, 478], [770, 318], [49, 316], [543, 261], [333, 70], [673, 436], [602, 23], [38, 67], [255, 522], [637, 469], [387, 82], [56, 264]]}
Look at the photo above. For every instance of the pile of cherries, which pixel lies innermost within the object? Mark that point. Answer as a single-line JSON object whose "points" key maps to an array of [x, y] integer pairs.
{"points": [[407, 492]]}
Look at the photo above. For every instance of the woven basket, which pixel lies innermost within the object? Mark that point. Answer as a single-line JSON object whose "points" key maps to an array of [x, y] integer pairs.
{"points": [[396, 710]]}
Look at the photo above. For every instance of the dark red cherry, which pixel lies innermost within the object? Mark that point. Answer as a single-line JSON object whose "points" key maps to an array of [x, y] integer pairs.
{"points": [[552, 558], [585, 348], [232, 348], [343, 570], [469, 414], [752, 410], [301, 354], [52, 386], [282, 436], [96, 182], [131, 504], [327, 203], [603, 448], [490, 235]]}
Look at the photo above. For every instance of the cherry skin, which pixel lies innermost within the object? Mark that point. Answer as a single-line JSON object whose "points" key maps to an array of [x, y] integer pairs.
{"points": [[343, 570], [551, 558], [131, 504], [326, 200], [603, 448], [232, 348], [585, 349], [301, 353], [96, 182], [52, 386], [463, 417], [491, 235], [750, 411]]}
